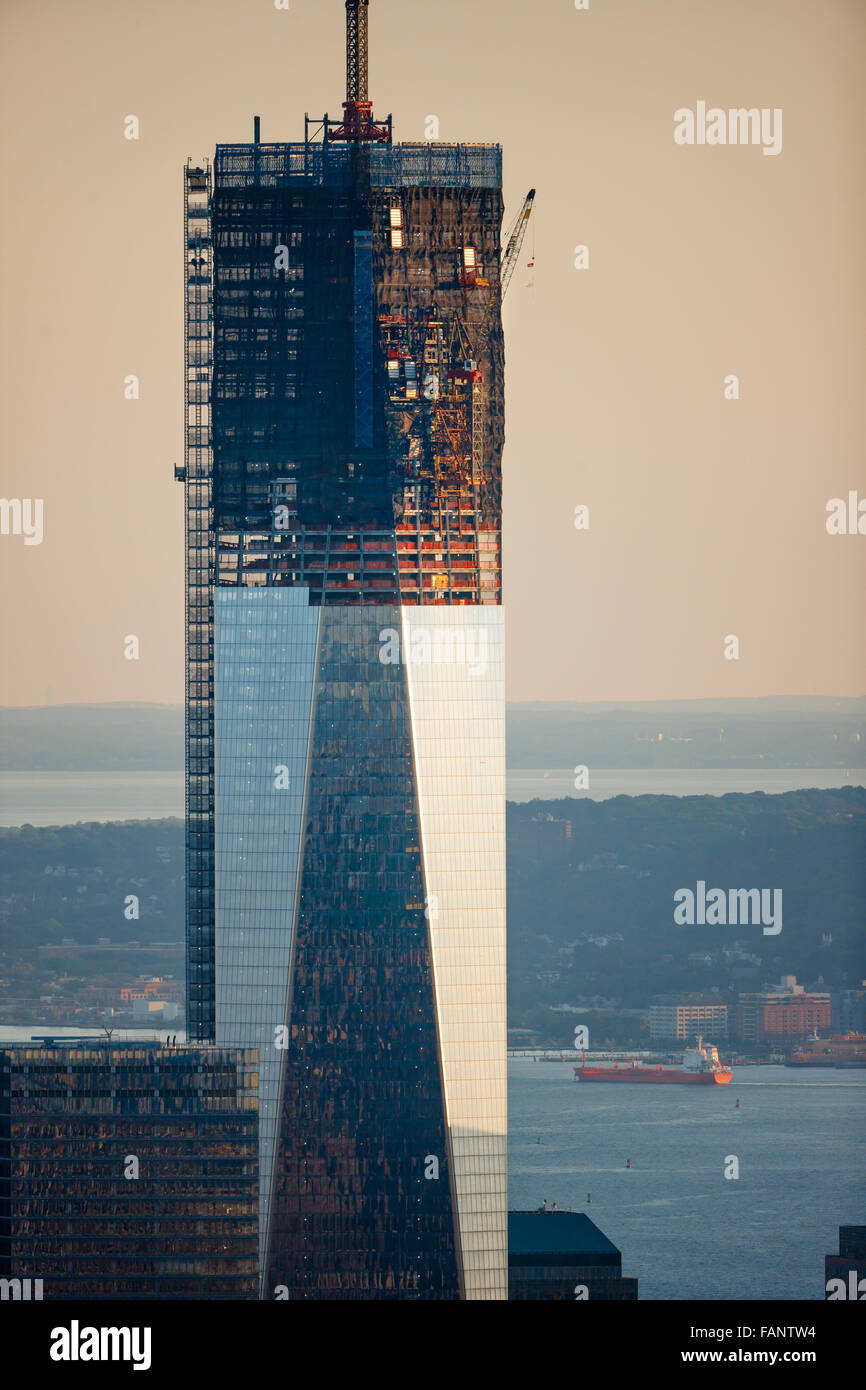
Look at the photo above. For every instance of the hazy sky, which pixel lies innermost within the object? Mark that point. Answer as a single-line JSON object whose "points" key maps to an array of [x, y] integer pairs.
{"points": [[707, 516]]}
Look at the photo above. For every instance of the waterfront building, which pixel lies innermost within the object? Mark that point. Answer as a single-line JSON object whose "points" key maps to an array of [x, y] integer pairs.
{"points": [[782, 1011], [688, 1018]]}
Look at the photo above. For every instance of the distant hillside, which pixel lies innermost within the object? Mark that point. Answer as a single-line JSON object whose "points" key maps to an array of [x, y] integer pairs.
{"points": [[774, 733], [756, 734], [73, 880], [65, 893], [590, 897], [92, 738], [591, 894]]}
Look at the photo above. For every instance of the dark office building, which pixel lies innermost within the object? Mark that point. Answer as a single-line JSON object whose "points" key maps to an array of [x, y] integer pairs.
{"points": [[845, 1273], [848, 1010], [345, 711], [563, 1255], [128, 1172]]}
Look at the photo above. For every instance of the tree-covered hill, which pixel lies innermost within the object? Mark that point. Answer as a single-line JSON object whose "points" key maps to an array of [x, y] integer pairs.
{"points": [[581, 869], [590, 894]]}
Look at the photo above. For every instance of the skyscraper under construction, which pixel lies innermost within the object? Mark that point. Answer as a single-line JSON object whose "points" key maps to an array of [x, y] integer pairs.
{"points": [[345, 711]]}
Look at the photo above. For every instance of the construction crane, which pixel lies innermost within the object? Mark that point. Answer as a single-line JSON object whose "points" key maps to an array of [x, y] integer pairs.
{"points": [[511, 254], [358, 121], [356, 50]]}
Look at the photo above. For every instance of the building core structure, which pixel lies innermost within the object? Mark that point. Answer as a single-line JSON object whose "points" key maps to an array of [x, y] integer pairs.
{"points": [[345, 701]]}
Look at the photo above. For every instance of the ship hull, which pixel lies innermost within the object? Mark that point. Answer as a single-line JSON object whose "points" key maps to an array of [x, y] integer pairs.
{"points": [[809, 1064], [647, 1077]]}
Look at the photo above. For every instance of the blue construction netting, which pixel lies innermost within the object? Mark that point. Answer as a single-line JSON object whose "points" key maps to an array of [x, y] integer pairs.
{"points": [[333, 165]]}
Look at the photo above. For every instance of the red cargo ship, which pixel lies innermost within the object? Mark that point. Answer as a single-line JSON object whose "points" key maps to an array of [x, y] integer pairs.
{"points": [[701, 1067]]}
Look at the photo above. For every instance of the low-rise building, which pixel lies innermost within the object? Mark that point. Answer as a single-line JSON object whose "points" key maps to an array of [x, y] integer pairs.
{"points": [[782, 1011], [563, 1256], [153, 988], [849, 1010], [687, 1017]]}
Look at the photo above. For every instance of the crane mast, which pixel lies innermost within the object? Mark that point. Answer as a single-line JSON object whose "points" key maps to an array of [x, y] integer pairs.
{"points": [[356, 50], [358, 122]]}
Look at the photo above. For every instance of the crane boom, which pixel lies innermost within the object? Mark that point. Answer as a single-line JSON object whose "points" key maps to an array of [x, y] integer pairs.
{"points": [[515, 242]]}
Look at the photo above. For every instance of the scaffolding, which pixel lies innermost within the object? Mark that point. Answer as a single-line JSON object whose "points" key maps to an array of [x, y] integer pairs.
{"points": [[365, 370], [197, 475], [331, 165]]}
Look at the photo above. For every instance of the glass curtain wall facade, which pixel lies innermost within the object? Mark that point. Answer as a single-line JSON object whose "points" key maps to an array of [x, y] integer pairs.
{"points": [[129, 1171], [355, 749]]}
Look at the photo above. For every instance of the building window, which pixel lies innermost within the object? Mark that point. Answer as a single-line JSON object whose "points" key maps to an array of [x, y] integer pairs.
{"points": [[398, 235]]}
